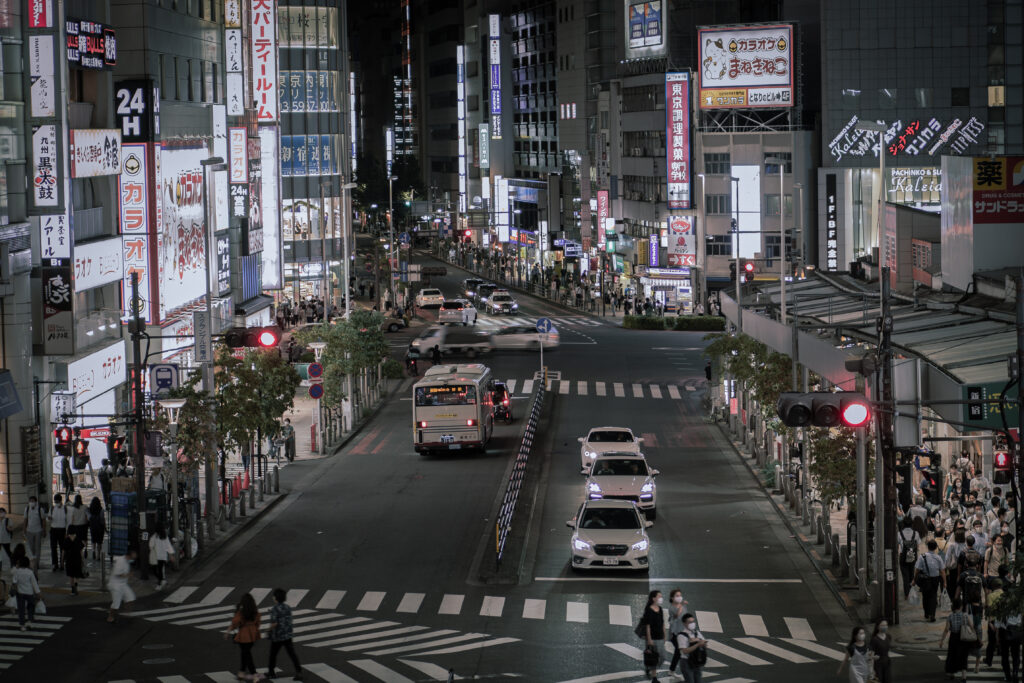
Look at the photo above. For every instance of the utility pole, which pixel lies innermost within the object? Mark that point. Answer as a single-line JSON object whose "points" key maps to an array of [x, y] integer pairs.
{"points": [[1017, 445], [887, 453], [140, 430]]}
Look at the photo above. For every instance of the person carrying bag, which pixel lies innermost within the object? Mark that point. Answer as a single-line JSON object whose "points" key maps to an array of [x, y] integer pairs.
{"points": [[245, 627]]}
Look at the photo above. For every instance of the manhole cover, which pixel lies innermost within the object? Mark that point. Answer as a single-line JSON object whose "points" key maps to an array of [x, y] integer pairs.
{"points": [[159, 660], [158, 646]]}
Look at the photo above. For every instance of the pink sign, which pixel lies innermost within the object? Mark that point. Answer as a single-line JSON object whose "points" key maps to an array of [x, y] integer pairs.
{"points": [[603, 213]]}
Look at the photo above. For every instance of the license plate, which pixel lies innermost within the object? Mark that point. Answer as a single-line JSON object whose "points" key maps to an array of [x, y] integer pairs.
{"points": [[454, 446], [611, 561], [447, 438]]}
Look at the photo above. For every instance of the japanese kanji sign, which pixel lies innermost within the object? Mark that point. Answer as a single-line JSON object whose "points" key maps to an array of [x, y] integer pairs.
{"points": [[998, 190], [263, 35], [746, 67], [45, 166], [54, 236], [134, 190], [677, 138]]}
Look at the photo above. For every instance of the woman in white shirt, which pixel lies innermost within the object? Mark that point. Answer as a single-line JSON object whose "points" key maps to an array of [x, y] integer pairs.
{"points": [[26, 591], [160, 553]]}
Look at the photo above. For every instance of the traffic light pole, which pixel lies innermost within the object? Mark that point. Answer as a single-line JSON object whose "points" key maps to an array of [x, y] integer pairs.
{"points": [[140, 431], [887, 453]]}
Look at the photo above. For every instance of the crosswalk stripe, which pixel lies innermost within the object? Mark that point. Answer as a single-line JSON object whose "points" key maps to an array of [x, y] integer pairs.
{"points": [[451, 604], [770, 649], [577, 611], [318, 622], [181, 594], [799, 628], [511, 386], [492, 606], [599, 387], [259, 593], [628, 650], [816, 648], [620, 390], [534, 609], [655, 391], [330, 600], [736, 680], [471, 646], [436, 673], [732, 653], [328, 673], [604, 678], [376, 636], [178, 614], [753, 625], [345, 633], [216, 624], [582, 388], [380, 671], [44, 620], [294, 596], [528, 386], [395, 641], [217, 595], [172, 679], [411, 602], [27, 640], [563, 386], [371, 601], [673, 392], [620, 615], [224, 613], [222, 677], [638, 391], [709, 622], [425, 646]]}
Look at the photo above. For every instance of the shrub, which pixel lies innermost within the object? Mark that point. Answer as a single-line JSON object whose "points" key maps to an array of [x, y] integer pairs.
{"points": [[392, 369], [643, 322], [700, 323], [307, 357]]}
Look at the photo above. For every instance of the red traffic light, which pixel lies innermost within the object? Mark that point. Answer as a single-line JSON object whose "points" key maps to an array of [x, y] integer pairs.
{"points": [[1001, 461], [63, 435], [749, 267], [250, 337], [267, 338], [824, 409], [468, 233], [855, 413]]}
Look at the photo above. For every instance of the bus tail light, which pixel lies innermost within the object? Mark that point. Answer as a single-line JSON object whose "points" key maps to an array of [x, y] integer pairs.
{"points": [[505, 401], [423, 425], [470, 423]]}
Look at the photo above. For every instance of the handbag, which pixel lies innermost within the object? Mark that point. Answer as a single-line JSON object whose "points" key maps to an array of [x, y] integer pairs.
{"points": [[651, 656], [40, 606], [641, 629], [945, 604], [914, 596], [968, 634]]}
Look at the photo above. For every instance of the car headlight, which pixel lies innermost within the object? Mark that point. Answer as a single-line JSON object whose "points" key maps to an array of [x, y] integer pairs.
{"points": [[647, 488], [641, 545], [593, 487], [588, 453], [515, 305], [579, 544]]}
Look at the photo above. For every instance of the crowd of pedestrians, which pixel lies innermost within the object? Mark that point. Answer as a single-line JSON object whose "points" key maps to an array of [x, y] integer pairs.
{"points": [[675, 624]]}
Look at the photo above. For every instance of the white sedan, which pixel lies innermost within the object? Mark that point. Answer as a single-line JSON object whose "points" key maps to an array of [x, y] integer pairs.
{"points": [[524, 337], [429, 298], [609, 534], [604, 440], [456, 311], [623, 476]]}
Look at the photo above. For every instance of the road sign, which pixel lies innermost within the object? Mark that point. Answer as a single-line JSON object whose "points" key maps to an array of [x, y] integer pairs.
{"points": [[315, 370], [316, 390], [201, 330], [404, 238], [163, 377], [62, 403], [544, 325]]}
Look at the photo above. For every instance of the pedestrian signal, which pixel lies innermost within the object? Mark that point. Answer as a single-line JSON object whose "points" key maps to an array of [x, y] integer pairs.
{"points": [[80, 453], [824, 409], [63, 435], [1001, 461]]}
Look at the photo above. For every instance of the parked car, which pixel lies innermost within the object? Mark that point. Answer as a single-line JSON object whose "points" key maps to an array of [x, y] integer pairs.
{"points": [[393, 323], [457, 311]]}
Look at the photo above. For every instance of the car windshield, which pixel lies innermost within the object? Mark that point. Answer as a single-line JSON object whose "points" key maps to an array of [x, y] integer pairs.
{"points": [[620, 467], [609, 518], [501, 298], [611, 436], [431, 292], [452, 305]]}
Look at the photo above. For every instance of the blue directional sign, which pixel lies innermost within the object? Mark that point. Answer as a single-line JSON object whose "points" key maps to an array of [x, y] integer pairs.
{"points": [[544, 325], [404, 238]]}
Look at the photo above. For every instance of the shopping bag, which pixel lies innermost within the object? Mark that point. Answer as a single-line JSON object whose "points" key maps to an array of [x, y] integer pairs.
{"points": [[40, 607], [968, 634], [12, 602], [914, 597], [945, 604]]}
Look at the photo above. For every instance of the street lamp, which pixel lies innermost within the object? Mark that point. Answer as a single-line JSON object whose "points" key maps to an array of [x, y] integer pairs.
{"points": [[173, 406], [702, 241], [519, 243], [798, 192], [391, 232], [782, 233], [736, 230], [346, 226]]}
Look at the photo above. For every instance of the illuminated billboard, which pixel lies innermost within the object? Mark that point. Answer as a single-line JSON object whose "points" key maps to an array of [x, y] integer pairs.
{"points": [[746, 67], [677, 137]]}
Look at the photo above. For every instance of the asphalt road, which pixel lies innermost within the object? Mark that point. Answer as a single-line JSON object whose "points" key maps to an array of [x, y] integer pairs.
{"points": [[380, 548]]}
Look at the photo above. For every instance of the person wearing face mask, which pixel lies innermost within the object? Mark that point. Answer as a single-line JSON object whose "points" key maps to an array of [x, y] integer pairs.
{"points": [[676, 610], [693, 647], [995, 557], [879, 646], [857, 655], [35, 527], [654, 632], [956, 654]]}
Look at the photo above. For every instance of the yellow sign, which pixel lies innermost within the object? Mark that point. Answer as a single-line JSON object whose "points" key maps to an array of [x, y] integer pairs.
{"points": [[723, 98]]}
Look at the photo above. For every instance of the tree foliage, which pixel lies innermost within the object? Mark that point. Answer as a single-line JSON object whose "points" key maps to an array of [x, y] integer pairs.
{"points": [[253, 392], [765, 373], [196, 430], [352, 345]]}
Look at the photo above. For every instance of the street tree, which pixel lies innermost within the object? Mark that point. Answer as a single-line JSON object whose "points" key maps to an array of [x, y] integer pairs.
{"points": [[197, 432]]}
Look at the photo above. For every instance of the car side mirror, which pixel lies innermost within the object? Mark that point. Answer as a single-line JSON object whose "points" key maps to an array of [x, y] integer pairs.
{"points": [[655, 473], [580, 439], [648, 524], [639, 439], [570, 524], [584, 471]]}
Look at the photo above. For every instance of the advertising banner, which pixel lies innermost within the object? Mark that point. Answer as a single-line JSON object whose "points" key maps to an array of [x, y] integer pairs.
{"points": [[998, 190], [308, 27], [137, 110], [271, 209], [134, 202], [603, 214], [677, 137], [831, 224], [182, 229], [45, 165], [238, 151], [91, 45], [682, 245], [58, 307], [484, 146], [40, 13], [95, 152], [494, 34], [97, 263], [97, 373], [223, 263], [54, 236], [41, 75], [263, 37], [910, 139], [636, 24], [746, 67], [652, 250], [652, 23]]}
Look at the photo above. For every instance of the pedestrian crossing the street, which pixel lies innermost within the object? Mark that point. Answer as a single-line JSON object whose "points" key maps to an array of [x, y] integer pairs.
{"points": [[15, 643], [589, 388]]}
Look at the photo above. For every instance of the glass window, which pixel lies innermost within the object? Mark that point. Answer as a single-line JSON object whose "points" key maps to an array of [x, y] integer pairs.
{"points": [[771, 168], [960, 97], [719, 204], [772, 205], [719, 245], [923, 97], [718, 163], [887, 98]]}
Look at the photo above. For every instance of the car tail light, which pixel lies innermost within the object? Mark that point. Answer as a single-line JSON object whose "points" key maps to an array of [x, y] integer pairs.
{"points": [[505, 401], [470, 423], [423, 424]]}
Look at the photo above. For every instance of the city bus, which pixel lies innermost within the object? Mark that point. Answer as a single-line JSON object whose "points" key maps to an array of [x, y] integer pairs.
{"points": [[452, 408]]}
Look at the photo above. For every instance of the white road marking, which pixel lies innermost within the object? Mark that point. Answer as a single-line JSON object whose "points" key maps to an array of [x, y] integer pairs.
{"points": [[638, 391], [660, 579], [471, 646], [577, 611], [673, 391], [172, 679], [380, 671], [425, 646], [599, 387], [528, 386], [328, 673], [563, 386], [753, 625], [732, 653], [436, 673], [799, 628], [817, 648], [325, 622], [259, 593], [344, 632], [294, 596], [371, 601], [217, 595], [511, 384], [534, 609], [451, 604], [655, 390], [330, 600], [604, 678], [164, 610], [770, 649], [180, 595], [581, 388], [620, 615], [620, 391], [628, 650], [218, 610], [708, 621], [411, 602], [222, 677], [376, 636], [492, 606], [395, 641]]}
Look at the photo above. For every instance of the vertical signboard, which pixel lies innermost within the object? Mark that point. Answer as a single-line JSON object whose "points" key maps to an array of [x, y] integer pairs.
{"points": [[677, 136], [58, 307], [45, 165], [43, 83], [998, 192], [263, 36], [682, 247], [352, 137], [134, 195], [183, 228], [270, 209], [603, 213], [494, 34], [831, 224], [460, 85], [484, 146], [389, 148], [653, 245], [501, 207], [136, 110]]}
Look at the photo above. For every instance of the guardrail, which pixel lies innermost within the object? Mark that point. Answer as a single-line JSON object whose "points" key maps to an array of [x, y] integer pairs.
{"points": [[515, 480]]}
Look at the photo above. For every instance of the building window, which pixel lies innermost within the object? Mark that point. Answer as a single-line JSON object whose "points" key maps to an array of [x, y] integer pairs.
{"points": [[717, 163], [771, 207], [719, 245], [719, 204], [643, 98], [771, 169], [960, 97]]}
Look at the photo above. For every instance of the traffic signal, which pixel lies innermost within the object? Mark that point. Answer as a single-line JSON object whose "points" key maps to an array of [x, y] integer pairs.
{"points": [[824, 409], [63, 435], [732, 270], [253, 337], [115, 446], [748, 271], [1002, 464], [79, 453]]}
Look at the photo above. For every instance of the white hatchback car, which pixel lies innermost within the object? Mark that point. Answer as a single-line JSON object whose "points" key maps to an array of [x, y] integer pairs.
{"points": [[456, 311], [609, 534], [524, 337], [606, 439], [623, 476], [429, 298]]}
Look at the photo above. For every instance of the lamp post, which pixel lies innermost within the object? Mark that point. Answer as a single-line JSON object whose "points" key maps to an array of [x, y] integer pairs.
{"points": [[702, 242], [879, 129], [173, 407], [324, 274], [346, 226], [798, 198], [519, 244], [391, 232], [209, 164], [782, 233], [736, 230]]}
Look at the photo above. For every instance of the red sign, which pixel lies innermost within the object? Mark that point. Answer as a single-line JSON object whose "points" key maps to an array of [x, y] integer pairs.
{"points": [[998, 190], [603, 213], [40, 13], [680, 260]]}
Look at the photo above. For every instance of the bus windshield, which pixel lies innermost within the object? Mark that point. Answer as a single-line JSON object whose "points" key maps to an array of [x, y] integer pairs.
{"points": [[456, 395]]}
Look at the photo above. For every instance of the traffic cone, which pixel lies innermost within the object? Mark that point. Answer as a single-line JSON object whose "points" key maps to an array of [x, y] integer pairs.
{"points": [[237, 488], [245, 483]]}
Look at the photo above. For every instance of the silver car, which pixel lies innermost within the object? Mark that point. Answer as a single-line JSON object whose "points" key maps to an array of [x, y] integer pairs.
{"points": [[524, 337], [623, 476], [457, 311]]}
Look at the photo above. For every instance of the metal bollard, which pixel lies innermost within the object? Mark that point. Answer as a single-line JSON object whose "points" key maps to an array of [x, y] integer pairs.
{"points": [[252, 498], [263, 481], [241, 505], [277, 479]]}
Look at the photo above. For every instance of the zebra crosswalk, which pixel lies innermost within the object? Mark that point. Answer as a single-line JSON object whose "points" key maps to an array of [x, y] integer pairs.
{"points": [[587, 388], [351, 671], [494, 322], [15, 643]]}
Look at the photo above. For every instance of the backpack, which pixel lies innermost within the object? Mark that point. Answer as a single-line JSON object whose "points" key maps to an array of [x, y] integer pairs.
{"points": [[698, 657], [968, 558], [909, 553], [972, 586]]}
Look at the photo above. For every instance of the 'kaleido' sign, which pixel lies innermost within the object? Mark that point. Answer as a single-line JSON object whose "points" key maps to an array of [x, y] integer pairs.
{"points": [[911, 138]]}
